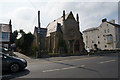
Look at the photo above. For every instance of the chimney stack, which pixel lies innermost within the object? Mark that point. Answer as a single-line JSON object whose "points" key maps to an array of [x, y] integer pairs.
{"points": [[39, 19], [104, 20], [63, 15], [112, 21], [77, 17]]}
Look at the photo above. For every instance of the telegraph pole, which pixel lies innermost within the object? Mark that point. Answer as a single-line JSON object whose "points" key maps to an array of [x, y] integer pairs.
{"points": [[39, 34], [39, 19]]}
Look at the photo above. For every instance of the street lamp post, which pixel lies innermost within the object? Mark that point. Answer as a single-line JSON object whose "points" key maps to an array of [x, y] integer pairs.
{"points": [[38, 43], [39, 48]]}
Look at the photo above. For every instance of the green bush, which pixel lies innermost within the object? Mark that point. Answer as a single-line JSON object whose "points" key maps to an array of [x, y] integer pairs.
{"points": [[92, 51]]}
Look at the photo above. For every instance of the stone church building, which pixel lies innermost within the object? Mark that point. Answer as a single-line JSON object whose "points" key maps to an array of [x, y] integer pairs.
{"points": [[62, 35]]}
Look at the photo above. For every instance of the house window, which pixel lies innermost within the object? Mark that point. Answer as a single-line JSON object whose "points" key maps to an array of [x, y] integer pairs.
{"points": [[105, 46], [108, 31], [109, 38], [86, 42], [92, 41], [103, 35], [105, 31], [5, 36], [107, 24], [98, 42], [86, 37], [91, 46], [98, 37]]}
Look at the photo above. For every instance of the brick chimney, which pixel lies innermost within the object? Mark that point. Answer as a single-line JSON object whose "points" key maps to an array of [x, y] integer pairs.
{"points": [[63, 15], [104, 20], [112, 21], [77, 17]]}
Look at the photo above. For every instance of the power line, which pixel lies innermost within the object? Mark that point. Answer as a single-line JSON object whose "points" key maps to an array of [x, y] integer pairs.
{"points": [[34, 20], [32, 4]]}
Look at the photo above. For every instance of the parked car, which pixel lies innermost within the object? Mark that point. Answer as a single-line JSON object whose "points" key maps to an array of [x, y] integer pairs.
{"points": [[13, 64]]}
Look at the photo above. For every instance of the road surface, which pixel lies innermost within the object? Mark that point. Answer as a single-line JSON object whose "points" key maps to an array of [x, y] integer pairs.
{"points": [[69, 67]]}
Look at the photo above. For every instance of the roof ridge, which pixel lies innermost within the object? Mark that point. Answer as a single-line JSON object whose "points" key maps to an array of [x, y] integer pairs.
{"points": [[114, 23], [58, 19]]}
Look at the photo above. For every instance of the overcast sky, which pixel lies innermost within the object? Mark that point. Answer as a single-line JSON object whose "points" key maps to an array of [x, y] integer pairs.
{"points": [[23, 13]]}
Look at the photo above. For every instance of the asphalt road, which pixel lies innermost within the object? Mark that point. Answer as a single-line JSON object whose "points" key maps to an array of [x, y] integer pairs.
{"points": [[69, 67]]}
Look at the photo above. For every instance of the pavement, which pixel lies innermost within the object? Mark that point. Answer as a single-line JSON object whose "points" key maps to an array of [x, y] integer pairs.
{"points": [[53, 59]]}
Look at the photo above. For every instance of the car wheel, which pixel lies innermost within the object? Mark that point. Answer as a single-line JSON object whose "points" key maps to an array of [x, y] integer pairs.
{"points": [[14, 67]]}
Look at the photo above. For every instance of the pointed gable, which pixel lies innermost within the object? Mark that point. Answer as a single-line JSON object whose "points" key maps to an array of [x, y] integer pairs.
{"points": [[70, 16], [52, 27]]}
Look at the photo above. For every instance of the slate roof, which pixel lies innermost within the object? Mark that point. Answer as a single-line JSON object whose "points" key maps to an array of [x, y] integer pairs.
{"points": [[4, 28], [116, 25], [91, 29], [96, 28], [53, 26]]}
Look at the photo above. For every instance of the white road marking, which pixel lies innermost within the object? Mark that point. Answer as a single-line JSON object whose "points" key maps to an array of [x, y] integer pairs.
{"points": [[62, 69], [107, 61], [82, 65], [67, 68], [51, 70], [85, 58]]}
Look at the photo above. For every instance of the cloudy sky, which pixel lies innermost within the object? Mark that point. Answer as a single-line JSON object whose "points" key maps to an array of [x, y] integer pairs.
{"points": [[23, 13]]}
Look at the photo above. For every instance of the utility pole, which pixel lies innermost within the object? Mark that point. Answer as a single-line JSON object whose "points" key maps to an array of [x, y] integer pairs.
{"points": [[39, 34], [39, 19]]}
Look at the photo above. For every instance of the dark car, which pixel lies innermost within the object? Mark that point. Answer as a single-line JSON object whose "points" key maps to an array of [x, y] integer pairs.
{"points": [[13, 64]]}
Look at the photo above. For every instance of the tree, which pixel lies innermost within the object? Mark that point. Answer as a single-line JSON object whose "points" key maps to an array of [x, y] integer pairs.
{"points": [[22, 32], [14, 36], [25, 42]]}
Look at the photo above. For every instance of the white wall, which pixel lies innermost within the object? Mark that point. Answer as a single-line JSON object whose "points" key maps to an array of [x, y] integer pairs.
{"points": [[104, 29]]}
